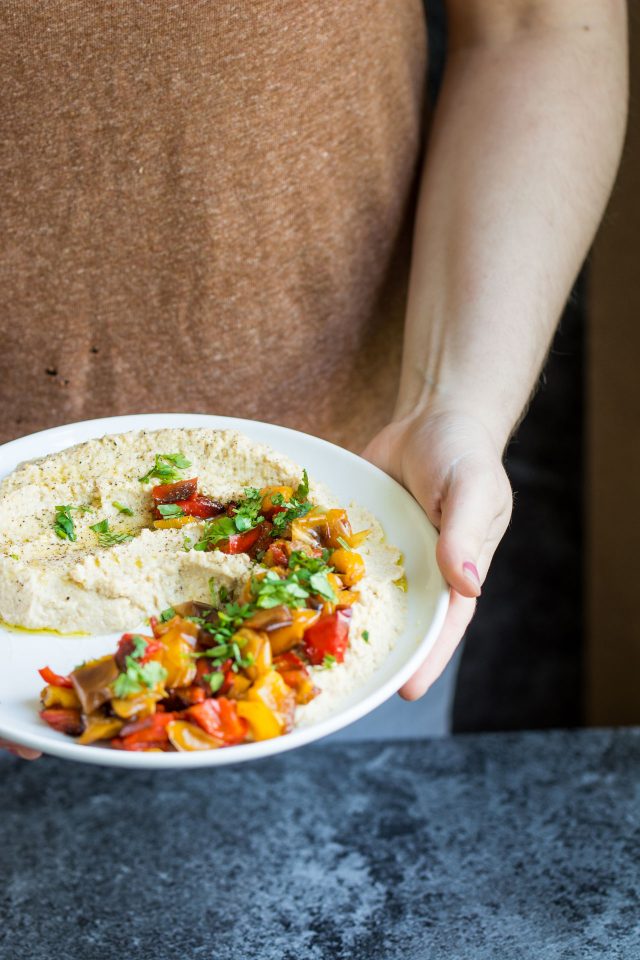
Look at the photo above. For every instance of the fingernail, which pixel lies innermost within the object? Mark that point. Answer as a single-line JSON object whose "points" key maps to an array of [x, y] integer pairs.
{"points": [[471, 573]]}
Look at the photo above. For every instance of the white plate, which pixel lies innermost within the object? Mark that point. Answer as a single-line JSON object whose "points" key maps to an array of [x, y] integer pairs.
{"points": [[348, 476]]}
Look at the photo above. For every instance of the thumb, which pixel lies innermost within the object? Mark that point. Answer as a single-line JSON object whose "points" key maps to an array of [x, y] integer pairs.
{"points": [[475, 513]]}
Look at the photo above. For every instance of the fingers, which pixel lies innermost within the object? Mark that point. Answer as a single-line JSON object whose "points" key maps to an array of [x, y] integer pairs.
{"points": [[19, 751], [459, 614], [476, 508]]}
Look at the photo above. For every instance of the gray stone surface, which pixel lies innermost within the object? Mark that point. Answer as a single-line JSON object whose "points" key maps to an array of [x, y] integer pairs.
{"points": [[484, 846]]}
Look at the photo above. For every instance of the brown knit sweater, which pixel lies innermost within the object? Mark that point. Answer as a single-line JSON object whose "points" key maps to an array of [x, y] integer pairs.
{"points": [[206, 206]]}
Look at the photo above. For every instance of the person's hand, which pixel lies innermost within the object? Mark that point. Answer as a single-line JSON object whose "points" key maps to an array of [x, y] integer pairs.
{"points": [[453, 467], [25, 752]]}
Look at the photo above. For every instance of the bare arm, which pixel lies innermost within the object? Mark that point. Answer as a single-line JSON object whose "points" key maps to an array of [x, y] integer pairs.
{"points": [[524, 149], [521, 159]]}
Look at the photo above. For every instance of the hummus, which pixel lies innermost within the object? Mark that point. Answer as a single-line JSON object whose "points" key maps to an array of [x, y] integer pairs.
{"points": [[80, 585]]}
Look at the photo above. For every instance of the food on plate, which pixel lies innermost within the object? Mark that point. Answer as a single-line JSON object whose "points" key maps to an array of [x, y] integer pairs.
{"points": [[230, 671], [96, 537]]}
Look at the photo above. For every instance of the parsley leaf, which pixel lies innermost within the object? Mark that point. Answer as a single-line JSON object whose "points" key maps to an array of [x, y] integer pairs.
{"points": [[220, 528], [107, 537], [215, 680], [365, 636], [247, 513], [167, 614], [63, 523], [166, 468], [302, 491], [121, 508], [271, 591], [320, 585], [170, 510], [138, 676], [329, 661]]}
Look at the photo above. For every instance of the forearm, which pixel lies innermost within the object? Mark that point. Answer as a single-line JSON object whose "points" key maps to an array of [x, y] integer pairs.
{"points": [[521, 159]]}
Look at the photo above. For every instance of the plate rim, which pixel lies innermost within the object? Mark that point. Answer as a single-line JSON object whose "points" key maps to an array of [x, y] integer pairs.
{"points": [[103, 756]]}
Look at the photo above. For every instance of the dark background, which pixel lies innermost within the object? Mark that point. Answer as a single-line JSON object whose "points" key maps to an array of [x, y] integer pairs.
{"points": [[522, 661]]}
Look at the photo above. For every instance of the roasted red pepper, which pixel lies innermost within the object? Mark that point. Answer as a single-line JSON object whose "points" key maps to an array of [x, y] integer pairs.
{"points": [[126, 647], [56, 679], [240, 542], [150, 730], [219, 718], [174, 492], [200, 506], [329, 637], [64, 719]]}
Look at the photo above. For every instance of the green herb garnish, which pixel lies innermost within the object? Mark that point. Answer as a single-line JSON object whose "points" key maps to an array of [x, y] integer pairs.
{"points": [[271, 591], [215, 680], [121, 508], [221, 528], [138, 676], [63, 523], [365, 636], [329, 661], [298, 506], [169, 511], [107, 537], [167, 614], [166, 468]]}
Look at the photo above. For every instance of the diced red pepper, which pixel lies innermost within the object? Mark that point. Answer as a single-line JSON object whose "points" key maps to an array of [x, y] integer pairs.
{"points": [[151, 729], [64, 720], [276, 555], [328, 637], [126, 646], [200, 506], [288, 661], [263, 541], [173, 492], [219, 718], [240, 542], [56, 679]]}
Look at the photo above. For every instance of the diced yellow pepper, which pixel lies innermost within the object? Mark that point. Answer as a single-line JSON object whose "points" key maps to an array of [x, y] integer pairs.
{"points": [[100, 728], [173, 522], [349, 565], [271, 690], [187, 737], [263, 722], [268, 493], [53, 696], [139, 706], [254, 644], [288, 637]]}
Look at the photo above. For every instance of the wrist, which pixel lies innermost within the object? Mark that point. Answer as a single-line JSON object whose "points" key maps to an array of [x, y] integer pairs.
{"points": [[436, 402]]}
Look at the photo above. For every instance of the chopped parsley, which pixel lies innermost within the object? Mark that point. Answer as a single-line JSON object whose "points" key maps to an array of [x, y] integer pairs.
{"points": [[166, 468], [271, 591], [221, 528], [329, 661], [298, 506], [215, 680], [245, 517], [168, 511], [107, 537], [247, 513], [365, 636], [121, 508], [63, 523], [138, 676], [167, 614], [302, 491], [312, 573]]}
